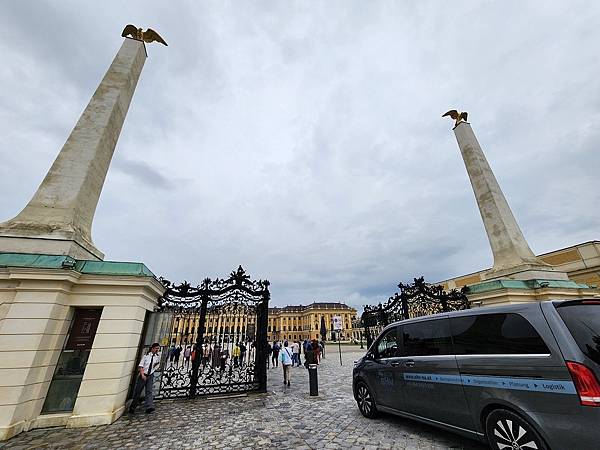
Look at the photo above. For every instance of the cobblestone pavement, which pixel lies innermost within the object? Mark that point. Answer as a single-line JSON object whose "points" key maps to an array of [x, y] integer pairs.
{"points": [[283, 418]]}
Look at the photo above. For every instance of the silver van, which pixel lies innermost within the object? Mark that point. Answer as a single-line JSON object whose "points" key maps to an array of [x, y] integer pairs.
{"points": [[521, 376]]}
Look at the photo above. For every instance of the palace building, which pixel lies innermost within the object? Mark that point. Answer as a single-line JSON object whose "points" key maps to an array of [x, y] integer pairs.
{"points": [[296, 322]]}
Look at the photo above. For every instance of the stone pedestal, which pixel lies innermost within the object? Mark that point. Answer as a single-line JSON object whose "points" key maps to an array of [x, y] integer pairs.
{"points": [[38, 297], [506, 291], [58, 219]]}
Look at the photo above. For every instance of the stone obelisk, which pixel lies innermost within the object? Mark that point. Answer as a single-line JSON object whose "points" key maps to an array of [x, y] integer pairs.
{"points": [[513, 257], [58, 219]]}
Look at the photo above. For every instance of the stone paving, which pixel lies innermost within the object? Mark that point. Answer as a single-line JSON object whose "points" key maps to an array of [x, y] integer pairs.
{"points": [[283, 418]]}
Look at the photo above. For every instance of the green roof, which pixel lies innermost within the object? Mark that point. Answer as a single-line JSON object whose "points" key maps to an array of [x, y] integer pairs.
{"points": [[493, 285], [79, 265]]}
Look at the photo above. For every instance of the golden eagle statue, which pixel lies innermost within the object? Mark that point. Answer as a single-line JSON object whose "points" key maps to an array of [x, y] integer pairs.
{"points": [[457, 116], [145, 36]]}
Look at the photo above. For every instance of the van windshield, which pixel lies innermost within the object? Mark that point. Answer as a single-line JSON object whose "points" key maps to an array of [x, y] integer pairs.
{"points": [[583, 321]]}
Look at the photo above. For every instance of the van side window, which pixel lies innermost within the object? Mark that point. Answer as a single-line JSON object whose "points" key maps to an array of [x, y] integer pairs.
{"points": [[493, 334], [427, 338], [387, 347]]}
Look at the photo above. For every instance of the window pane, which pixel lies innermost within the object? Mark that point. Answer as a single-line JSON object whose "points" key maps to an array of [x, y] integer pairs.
{"points": [[492, 334], [583, 321], [66, 381], [387, 347], [427, 338]]}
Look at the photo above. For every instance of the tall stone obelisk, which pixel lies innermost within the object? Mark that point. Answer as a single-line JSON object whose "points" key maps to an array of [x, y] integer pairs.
{"points": [[58, 219], [512, 256]]}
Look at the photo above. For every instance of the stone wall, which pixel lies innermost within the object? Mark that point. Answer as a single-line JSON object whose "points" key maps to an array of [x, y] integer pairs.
{"points": [[37, 308]]}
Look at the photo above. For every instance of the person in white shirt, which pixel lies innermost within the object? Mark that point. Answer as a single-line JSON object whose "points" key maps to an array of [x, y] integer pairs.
{"points": [[295, 354], [286, 362], [147, 366]]}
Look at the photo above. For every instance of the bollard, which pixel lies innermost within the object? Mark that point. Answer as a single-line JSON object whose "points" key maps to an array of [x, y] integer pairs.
{"points": [[313, 380]]}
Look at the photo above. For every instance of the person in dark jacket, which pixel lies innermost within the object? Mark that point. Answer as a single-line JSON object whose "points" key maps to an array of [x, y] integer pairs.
{"points": [[275, 357]]}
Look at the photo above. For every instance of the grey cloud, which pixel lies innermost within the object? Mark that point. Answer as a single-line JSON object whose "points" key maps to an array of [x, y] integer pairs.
{"points": [[143, 172]]}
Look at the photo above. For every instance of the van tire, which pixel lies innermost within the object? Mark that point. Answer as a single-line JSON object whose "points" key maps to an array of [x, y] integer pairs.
{"points": [[505, 428], [365, 401]]}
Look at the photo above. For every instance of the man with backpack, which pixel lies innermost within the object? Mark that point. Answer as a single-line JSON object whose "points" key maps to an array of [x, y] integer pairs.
{"points": [[286, 363]]}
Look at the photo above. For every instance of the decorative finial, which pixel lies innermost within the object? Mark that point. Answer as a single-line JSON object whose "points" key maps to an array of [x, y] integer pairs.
{"points": [[457, 116], [145, 36]]}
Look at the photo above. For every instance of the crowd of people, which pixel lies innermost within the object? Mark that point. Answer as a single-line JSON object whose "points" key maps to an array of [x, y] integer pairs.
{"points": [[290, 355], [240, 354], [214, 354], [217, 355]]}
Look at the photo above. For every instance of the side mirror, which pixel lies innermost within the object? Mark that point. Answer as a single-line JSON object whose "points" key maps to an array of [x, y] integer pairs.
{"points": [[370, 356]]}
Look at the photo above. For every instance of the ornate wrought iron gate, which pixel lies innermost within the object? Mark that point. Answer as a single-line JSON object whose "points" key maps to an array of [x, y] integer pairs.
{"points": [[215, 339], [413, 300]]}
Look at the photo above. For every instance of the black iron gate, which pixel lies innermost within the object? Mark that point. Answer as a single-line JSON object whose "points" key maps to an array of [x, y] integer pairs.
{"points": [[213, 337], [413, 300]]}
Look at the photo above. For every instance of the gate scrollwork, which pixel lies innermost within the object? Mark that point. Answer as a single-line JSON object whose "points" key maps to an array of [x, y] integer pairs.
{"points": [[414, 300], [226, 322]]}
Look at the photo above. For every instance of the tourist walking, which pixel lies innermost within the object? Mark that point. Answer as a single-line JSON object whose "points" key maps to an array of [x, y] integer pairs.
{"points": [[269, 352], [243, 350], [224, 357], [316, 350], [236, 354], [308, 354], [171, 353], [205, 354], [147, 366], [194, 354], [275, 357], [177, 355], [286, 363], [296, 354], [216, 356], [187, 354]]}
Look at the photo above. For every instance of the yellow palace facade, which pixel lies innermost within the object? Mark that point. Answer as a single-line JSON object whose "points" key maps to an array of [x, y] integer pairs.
{"points": [[300, 322], [286, 323]]}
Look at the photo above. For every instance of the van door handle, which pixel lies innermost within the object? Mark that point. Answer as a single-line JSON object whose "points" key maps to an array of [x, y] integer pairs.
{"points": [[395, 364], [409, 363]]}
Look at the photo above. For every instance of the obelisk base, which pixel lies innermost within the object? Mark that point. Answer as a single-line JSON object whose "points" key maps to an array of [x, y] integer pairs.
{"points": [[526, 272], [506, 291], [49, 246]]}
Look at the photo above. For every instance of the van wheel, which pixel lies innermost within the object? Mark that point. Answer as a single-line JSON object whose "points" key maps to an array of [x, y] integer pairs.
{"points": [[365, 401], [508, 431]]}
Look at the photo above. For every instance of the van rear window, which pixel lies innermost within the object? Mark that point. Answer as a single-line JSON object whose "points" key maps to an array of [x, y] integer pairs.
{"points": [[583, 321], [493, 334]]}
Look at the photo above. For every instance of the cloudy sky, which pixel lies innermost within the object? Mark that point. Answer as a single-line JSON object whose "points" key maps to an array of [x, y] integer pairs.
{"points": [[303, 139]]}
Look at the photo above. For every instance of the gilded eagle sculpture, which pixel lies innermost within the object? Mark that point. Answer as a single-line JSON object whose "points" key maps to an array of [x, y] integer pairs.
{"points": [[145, 36], [457, 116]]}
